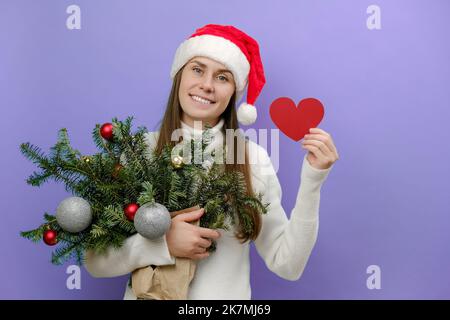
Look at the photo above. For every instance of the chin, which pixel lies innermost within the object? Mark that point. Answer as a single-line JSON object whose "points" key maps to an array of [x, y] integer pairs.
{"points": [[196, 113], [201, 116]]}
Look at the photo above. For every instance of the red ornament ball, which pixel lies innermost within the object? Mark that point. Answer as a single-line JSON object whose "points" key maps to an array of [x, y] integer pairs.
{"points": [[130, 210], [106, 131], [50, 238]]}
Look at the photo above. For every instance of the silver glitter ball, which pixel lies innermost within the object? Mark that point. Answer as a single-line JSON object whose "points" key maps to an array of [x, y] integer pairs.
{"points": [[74, 214], [152, 221]]}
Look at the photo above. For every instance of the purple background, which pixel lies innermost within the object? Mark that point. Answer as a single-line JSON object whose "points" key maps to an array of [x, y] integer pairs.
{"points": [[386, 96]]}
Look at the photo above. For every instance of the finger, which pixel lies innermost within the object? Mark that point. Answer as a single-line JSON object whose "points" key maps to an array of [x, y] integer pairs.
{"points": [[204, 243], [321, 145], [208, 233], [200, 250], [200, 256], [321, 131], [321, 137], [316, 151], [318, 130], [191, 216]]}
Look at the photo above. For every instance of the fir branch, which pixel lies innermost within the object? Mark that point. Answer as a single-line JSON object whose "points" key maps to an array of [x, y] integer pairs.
{"points": [[33, 153], [147, 195], [33, 235], [143, 179]]}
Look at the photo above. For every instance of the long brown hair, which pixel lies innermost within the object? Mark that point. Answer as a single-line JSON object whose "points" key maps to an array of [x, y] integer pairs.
{"points": [[172, 121]]}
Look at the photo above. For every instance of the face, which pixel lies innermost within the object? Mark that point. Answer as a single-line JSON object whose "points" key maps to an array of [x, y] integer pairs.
{"points": [[206, 88]]}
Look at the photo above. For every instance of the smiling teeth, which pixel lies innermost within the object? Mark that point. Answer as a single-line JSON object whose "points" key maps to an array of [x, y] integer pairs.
{"points": [[196, 98]]}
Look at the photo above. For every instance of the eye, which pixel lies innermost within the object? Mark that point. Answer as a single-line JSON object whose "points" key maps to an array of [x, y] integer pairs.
{"points": [[223, 78], [197, 69]]}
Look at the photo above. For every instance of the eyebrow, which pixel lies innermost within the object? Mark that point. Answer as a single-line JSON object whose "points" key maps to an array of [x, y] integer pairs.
{"points": [[205, 66]]}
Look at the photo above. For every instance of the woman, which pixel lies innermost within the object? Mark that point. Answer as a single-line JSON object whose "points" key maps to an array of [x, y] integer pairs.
{"points": [[210, 72]]}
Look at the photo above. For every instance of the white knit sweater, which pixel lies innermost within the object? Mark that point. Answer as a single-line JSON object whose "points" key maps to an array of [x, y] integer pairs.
{"points": [[285, 245]]}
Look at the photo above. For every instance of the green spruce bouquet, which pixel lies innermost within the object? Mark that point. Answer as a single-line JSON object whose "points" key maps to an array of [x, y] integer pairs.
{"points": [[126, 188]]}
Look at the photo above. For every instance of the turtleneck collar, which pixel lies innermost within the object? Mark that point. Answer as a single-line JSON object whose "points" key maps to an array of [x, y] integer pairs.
{"points": [[196, 132], [215, 144]]}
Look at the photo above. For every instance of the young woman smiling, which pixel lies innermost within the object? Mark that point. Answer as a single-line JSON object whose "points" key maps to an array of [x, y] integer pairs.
{"points": [[210, 73]]}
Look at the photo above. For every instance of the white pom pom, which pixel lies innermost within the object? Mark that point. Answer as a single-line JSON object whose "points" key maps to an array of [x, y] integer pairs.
{"points": [[246, 114]]}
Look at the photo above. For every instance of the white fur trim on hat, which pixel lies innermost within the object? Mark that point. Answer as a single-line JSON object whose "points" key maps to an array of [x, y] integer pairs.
{"points": [[216, 48], [246, 114]]}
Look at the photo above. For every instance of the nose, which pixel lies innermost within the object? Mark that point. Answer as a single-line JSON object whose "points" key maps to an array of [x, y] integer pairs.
{"points": [[207, 84]]}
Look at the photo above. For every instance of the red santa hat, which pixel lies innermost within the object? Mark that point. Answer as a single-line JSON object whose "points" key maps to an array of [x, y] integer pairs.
{"points": [[238, 52]]}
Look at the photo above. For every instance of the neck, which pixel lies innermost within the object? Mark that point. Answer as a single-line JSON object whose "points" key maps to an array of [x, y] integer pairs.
{"points": [[196, 127], [200, 124]]}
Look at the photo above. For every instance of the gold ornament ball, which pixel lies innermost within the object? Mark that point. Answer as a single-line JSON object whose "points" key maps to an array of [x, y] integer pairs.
{"points": [[86, 159], [177, 162]]}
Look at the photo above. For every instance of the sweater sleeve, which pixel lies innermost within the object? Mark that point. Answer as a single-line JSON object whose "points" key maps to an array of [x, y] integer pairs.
{"points": [[136, 252], [285, 245]]}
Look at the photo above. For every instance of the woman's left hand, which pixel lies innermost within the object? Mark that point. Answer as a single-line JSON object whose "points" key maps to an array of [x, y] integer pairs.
{"points": [[322, 151]]}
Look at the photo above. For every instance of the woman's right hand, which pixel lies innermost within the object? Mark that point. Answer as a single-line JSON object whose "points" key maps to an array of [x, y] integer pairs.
{"points": [[187, 240]]}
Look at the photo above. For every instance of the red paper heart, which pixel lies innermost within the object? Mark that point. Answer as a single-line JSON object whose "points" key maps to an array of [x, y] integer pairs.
{"points": [[295, 121]]}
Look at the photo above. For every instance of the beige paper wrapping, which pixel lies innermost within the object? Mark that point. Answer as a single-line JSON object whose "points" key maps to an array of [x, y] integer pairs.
{"points": [[169, 282]]}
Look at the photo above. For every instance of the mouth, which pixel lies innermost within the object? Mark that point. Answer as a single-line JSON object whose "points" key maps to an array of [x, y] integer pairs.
{"points": [[201, 100]]}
